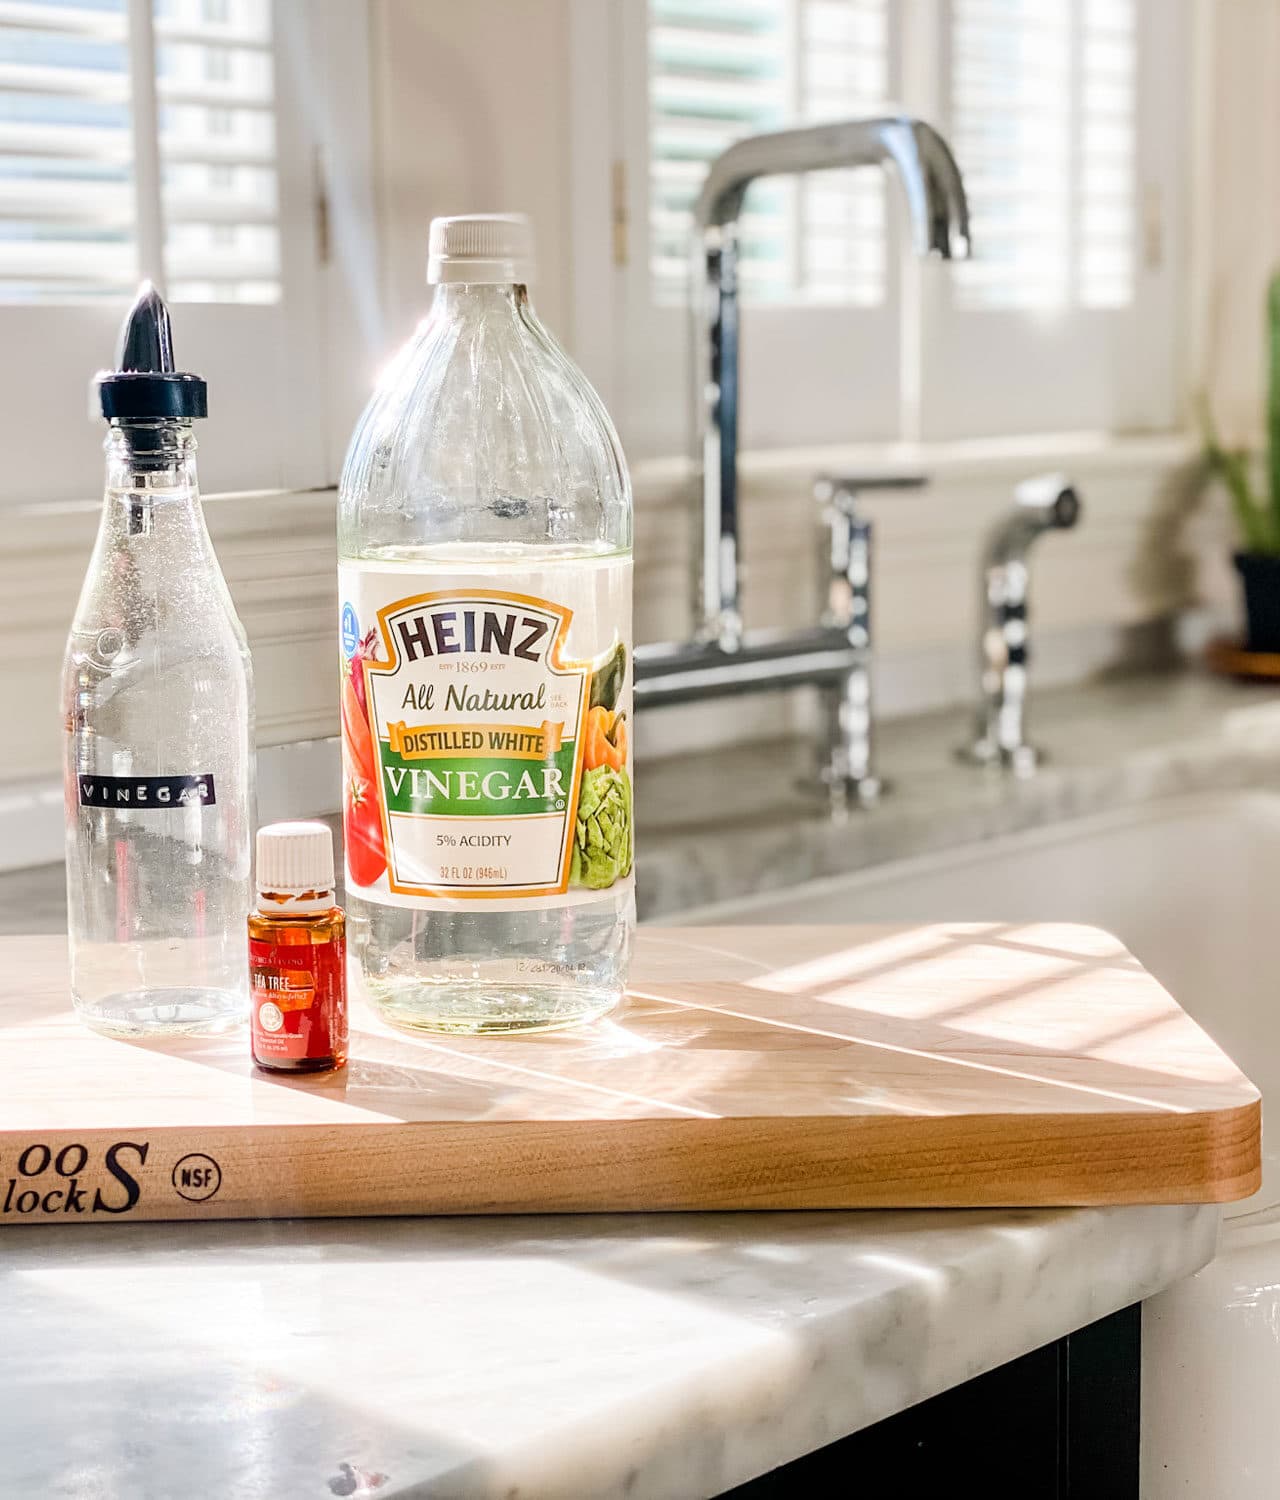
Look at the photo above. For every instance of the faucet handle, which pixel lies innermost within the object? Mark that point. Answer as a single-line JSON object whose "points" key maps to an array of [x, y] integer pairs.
{"points": [[840, 491], [845, 566]]}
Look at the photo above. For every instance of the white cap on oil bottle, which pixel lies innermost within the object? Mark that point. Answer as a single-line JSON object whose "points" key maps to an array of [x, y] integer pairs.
{"points": [[295, 868]]}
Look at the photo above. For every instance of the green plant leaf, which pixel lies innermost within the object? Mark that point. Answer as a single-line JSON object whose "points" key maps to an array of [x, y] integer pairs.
{"points": [[1273, 399], [1257, 525]]}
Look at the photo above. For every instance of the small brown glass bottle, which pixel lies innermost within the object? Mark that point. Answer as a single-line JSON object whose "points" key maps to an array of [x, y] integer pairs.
{"points": [[297, 954]]}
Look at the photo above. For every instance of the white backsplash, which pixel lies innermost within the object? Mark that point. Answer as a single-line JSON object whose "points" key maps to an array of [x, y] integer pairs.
{"points": [[1145, 550]]}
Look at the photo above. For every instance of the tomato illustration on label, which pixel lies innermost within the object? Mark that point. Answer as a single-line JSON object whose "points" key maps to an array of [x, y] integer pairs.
{"points": [[362, 830], [361, 820]]}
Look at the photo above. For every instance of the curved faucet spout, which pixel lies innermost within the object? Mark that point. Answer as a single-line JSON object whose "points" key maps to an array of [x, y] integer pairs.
{"points": [[926, 168], [939, 214]]}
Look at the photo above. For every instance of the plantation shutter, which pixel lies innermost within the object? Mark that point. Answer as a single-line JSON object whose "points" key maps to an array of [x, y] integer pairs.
{"points": [[66, 153], [1069, 120], [1069, 128], [217, 148], [819, 273], [148, 139], [1043, 112], [137, 141], [723, 69]]}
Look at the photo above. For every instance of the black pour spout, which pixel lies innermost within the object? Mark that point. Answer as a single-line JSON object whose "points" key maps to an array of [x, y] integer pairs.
{"points": [[145, 386]]}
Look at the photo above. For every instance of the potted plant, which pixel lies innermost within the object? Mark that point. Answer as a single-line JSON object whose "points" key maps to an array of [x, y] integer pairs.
{"points": [[1257, 514]]}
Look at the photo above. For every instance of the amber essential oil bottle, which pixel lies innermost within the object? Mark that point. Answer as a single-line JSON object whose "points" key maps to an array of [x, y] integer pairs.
{"points": [[297, 954]]}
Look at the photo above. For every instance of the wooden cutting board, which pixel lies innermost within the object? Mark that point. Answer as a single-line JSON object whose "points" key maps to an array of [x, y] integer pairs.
{"points": [[750, 1067]]}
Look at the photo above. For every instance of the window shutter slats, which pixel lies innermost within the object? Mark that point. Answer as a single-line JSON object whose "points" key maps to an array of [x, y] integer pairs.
{"points": [[1042, 121], [219, 186], [105, 22], [66, 178], [844, 67], [69, 204], [70, 82], [104, 204], [719, 71]]}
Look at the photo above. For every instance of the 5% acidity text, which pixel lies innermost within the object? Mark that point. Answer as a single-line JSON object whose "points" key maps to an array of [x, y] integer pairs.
{"points": [[466, 872]]}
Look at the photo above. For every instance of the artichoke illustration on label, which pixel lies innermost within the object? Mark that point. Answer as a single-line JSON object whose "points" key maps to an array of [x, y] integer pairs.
{"points": [[602, 844], [602, 838]]}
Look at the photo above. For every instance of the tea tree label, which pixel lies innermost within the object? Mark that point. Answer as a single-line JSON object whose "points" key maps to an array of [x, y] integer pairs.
{"points": [[485, 719]]}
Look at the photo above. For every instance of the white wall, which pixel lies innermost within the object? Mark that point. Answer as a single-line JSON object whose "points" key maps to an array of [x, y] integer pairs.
{"points": [[472, 105], [1235, 227]]}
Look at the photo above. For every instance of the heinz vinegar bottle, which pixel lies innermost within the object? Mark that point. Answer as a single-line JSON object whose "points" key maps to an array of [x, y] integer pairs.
{"points": [[484, 538]]}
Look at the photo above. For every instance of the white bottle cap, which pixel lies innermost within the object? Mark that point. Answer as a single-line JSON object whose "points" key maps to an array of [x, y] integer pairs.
{"points": [[295, 867], [487, 248]]}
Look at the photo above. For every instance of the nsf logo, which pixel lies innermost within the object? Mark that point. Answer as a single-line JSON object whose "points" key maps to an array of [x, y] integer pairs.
{"points": [[197, 1177], [350, 630]]}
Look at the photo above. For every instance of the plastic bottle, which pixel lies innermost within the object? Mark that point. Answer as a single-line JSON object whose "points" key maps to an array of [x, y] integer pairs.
{"points": [[158, 719], [485, 584]]}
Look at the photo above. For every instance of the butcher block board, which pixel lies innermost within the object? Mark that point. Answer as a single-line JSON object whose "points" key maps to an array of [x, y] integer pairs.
{"points": [[748, 1068]]}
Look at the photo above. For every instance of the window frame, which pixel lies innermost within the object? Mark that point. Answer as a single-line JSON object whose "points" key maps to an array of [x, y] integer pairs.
{"points": [[1114, 369], [921, 367], [279, 374], [840, 349]]}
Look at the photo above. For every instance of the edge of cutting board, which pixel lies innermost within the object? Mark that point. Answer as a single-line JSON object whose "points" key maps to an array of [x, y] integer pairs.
{"points": [[686, 1165], [547, 1125]]}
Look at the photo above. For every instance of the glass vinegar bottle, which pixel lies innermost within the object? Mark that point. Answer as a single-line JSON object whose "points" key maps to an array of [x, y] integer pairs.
{"points": [[157, 699], [485, 583]]}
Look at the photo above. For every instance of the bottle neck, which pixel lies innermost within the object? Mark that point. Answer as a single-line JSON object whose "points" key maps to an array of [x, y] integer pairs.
{"points": [[156, 457], [479, 299]]}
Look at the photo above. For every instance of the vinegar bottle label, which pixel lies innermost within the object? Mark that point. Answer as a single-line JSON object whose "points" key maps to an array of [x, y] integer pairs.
{"points": [[486, 744]]}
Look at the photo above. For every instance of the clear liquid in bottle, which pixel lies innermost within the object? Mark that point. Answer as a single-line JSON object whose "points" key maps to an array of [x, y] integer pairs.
{"points": [[158, 716], [485, 579]]}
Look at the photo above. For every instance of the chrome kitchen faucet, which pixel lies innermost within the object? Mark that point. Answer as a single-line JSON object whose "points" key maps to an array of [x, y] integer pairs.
{"points": [[721, 659]]}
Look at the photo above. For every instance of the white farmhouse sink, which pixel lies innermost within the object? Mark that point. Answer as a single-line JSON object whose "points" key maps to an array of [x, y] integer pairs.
{"points": [[1192, 886]]}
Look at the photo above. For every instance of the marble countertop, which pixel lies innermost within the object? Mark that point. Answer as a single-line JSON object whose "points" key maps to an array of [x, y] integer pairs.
{"points": [[730, 823], [654, 1356], [722, 825], [645, 1356]]}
